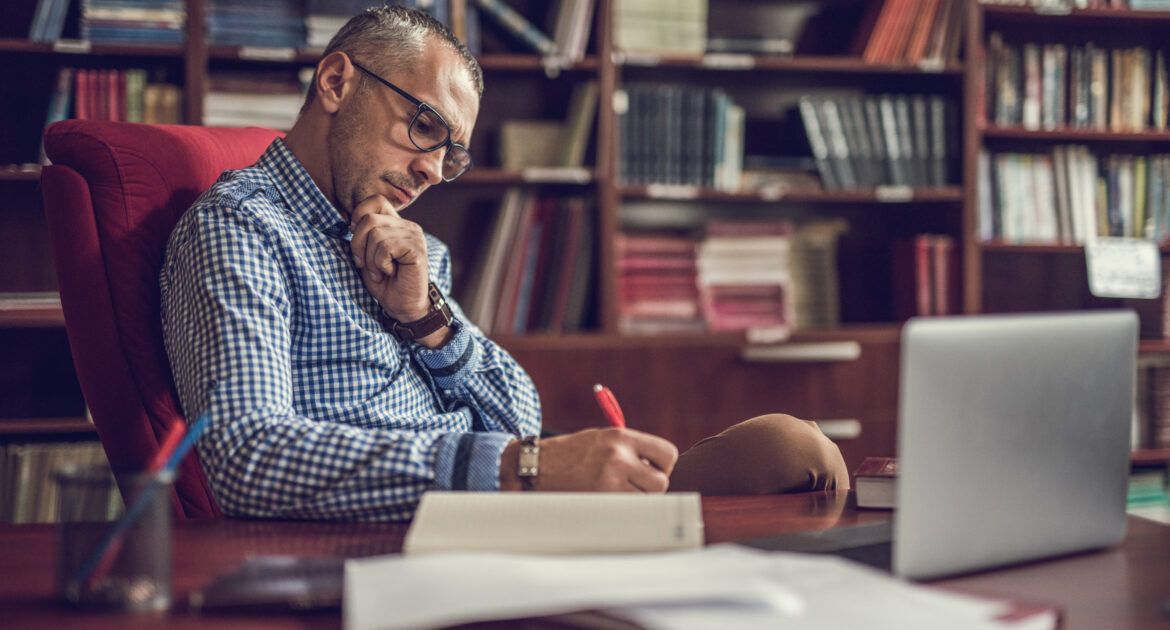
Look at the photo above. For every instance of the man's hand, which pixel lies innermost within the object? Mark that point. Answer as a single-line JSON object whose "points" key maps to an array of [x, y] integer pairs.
{"points": [[597, 460], [391, 253]]}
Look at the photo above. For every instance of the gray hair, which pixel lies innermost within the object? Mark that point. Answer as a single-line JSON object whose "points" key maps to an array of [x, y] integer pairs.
{"points": [[382, 38]]}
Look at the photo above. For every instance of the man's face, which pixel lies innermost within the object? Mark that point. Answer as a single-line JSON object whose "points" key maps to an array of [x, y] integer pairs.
{"points": [[368, 146]]}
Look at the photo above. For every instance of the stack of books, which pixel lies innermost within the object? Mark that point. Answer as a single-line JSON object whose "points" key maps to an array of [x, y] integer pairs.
{"points": [[323, 18], [133, 21], [913, 32], [1047, 86], [744, 275], [254, 99], [657, 284], [925, 276], [536, 273], [1070, 194], [675, 27], [888, 140], [816, 300], [680, 135], [256, 23]]}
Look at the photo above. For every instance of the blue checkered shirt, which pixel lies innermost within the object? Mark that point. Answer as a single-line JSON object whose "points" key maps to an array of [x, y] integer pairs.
{"points": [[316, 411]]}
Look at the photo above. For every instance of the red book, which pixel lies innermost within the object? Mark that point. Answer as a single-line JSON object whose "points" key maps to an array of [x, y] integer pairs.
{"points": [[912, 282], [875, 481], [81, 95]]}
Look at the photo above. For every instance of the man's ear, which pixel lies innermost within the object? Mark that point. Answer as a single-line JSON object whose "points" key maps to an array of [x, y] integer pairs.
{"points": [[335, 82]]}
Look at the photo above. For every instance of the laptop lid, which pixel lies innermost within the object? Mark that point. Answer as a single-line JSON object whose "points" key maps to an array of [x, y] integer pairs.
{"points": [[1013, 438]]}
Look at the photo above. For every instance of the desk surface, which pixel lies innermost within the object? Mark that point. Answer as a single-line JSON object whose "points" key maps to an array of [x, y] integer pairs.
{"points": [[1117, 588]]}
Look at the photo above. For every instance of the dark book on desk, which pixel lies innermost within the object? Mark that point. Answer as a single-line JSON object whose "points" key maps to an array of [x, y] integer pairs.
{"points": [[874, 482]]}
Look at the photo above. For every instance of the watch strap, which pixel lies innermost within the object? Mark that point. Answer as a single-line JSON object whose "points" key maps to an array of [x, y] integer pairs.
{"points": [[439, 316], [529, 464]]}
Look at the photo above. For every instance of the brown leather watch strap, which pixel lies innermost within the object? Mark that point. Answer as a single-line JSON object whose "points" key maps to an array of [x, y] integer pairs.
{"points": [[439, 316]]}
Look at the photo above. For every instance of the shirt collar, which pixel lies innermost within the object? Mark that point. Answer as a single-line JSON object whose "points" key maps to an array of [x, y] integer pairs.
{"points": [[300, 192]]}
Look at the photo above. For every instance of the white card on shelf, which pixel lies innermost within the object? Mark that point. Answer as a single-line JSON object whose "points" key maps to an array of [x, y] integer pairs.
{"points": [[1124, 268]]}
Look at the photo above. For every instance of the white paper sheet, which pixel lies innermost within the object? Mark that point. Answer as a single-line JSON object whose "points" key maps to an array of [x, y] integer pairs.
{"points": [[717, 587]]}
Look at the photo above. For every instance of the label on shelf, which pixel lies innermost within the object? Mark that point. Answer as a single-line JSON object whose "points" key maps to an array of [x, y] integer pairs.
{"points": [[932, 65], [557, 174], [636, 59], [1124, 268], [621, 102], [894, 194], [262, 53], [672, 191], [1053, 8], [73, 46], [728, 61]]}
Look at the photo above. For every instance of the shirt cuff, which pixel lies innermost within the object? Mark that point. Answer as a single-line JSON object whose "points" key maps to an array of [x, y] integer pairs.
{"points": [[470, 461], [451, 363]]}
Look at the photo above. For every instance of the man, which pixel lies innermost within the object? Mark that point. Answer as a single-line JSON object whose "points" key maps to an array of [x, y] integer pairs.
{"points": [[309, 318]]}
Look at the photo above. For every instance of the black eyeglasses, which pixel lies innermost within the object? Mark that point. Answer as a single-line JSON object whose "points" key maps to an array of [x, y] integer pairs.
{"points": [[429, 132]]}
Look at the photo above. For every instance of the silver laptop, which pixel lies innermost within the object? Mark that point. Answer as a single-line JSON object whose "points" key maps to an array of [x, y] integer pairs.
{"points": [[1013, 444], [1013, 438]]}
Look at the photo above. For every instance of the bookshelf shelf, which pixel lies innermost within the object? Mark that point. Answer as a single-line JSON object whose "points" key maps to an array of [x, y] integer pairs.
{"points": [[20, 173], [1150, 457], [1154, 346], [890, 195], [876, 333], [310, 56], [77, 47], [477, 175], [1030, 248], [1074, 135], [32, 426], [994, 13], [31, 316], [802, 63]]}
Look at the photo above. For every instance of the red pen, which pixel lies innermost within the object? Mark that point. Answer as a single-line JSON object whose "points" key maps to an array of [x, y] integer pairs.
{"points": [[609, 406]]}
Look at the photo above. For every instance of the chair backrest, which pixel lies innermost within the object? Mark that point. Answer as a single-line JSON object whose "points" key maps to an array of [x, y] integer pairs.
{"points": [[112, 197]]}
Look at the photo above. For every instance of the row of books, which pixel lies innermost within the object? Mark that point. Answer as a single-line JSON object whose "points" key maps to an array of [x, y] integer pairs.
{"points": [[764, 276], [264, 23], [254, 99], [28, 493], [1053, 85], [1152, 407], [915, 32], [662, 27], [551, 143], [680, 135], [925, 280], [1059, 5], [117, 95], [536, 273], [1072, 195], [133, 21], [898, 140]]}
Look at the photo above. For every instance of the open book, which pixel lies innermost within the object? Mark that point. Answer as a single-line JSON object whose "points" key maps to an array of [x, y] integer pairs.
{"points": [[555, 522]]}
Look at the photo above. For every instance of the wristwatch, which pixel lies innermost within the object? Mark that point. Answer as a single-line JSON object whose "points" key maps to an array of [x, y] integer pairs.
{"points": [[529, 466], [439, 316]]}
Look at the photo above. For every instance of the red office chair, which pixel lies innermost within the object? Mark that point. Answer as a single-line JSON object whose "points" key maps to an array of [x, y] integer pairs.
{"points": [[112, 197]]}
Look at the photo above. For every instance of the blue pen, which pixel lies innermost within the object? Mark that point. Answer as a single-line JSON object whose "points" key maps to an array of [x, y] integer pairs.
{"points": [[135, 511]]}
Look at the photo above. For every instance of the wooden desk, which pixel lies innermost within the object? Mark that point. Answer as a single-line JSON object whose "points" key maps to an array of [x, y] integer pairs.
{"points": [[1118, 588]]}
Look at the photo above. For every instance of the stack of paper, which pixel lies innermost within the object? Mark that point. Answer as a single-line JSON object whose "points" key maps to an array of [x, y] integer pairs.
{"points": [[717, 587]]}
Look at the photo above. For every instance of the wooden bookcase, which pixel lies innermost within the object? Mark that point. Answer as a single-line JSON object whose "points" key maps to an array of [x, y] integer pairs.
{"points": [[683, 387]]}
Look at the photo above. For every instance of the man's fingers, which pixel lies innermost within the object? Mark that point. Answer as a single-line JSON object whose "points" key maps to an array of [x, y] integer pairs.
{"points": [[659, 452], [647, 478]]}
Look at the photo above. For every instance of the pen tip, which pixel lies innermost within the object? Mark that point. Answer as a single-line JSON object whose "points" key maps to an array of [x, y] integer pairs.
{"points": [[597, 387]]}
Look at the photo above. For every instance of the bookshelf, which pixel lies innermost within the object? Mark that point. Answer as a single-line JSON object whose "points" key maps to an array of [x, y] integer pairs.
{"points": [[521, 86]]}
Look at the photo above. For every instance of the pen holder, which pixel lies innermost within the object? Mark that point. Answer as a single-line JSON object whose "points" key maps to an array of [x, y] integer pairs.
{"points": [[128, 571]]}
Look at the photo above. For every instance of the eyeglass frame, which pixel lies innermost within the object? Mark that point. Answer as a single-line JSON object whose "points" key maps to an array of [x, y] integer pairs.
{"points": [[424, 107]]}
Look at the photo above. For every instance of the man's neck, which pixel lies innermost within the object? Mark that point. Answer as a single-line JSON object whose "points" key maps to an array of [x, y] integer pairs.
{"points": [[303, 135]]}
